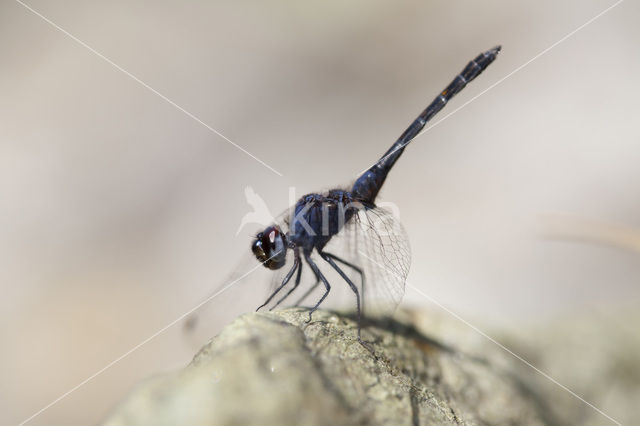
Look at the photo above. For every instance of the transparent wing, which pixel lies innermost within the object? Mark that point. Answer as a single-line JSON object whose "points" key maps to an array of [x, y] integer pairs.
{"points": [[242, 289], [228, 297], [375, 241]]}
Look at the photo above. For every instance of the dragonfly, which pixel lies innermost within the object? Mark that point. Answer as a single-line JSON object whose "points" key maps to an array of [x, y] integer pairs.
{"points": [[342, 235]]}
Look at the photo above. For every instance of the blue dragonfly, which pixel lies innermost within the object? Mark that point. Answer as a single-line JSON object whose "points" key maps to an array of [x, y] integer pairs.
{"points": [[361, 244]]}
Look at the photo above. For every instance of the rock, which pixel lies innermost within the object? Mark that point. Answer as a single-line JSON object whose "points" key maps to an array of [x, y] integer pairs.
{"points": [[274, 369]]}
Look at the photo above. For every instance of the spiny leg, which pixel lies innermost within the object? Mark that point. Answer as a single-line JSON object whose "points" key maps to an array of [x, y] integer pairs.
{"points": [[316, 270], [297, 283], [296, 265], [355, 268], [329, 259], [317, 283], [308, 292]]}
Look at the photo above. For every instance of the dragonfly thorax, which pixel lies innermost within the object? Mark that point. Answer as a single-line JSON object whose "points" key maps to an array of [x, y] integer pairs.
{"points": [[318, 217]]}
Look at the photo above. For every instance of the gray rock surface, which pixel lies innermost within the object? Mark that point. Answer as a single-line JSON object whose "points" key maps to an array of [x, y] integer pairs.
{"points": [[274, 369]]}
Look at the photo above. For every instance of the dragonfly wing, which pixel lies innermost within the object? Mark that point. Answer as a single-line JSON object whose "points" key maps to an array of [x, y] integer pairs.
{"points": [[375, 241], [239, 292]]}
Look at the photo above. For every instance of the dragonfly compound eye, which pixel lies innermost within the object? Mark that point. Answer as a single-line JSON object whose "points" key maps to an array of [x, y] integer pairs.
{"points": [[270, 247]]}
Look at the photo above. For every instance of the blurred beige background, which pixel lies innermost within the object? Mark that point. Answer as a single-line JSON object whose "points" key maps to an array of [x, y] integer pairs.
{"points": [[118, 212]]}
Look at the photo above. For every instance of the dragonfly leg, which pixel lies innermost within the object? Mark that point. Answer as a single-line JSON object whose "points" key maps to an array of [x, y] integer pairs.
{"points": [[308, 292], [297, 283], [316, 270], [344, 276], [355, 268], [296, 265]]}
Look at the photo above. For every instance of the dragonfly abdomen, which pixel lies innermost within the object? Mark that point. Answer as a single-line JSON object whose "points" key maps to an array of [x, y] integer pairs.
{"points": [[368, 185]]}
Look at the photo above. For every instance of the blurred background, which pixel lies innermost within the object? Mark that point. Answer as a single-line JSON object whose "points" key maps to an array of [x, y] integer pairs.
{"points": [[118, 212]]}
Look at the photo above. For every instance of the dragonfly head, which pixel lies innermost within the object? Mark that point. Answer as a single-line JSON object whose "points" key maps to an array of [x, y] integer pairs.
{"points": [[270, 247]]}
